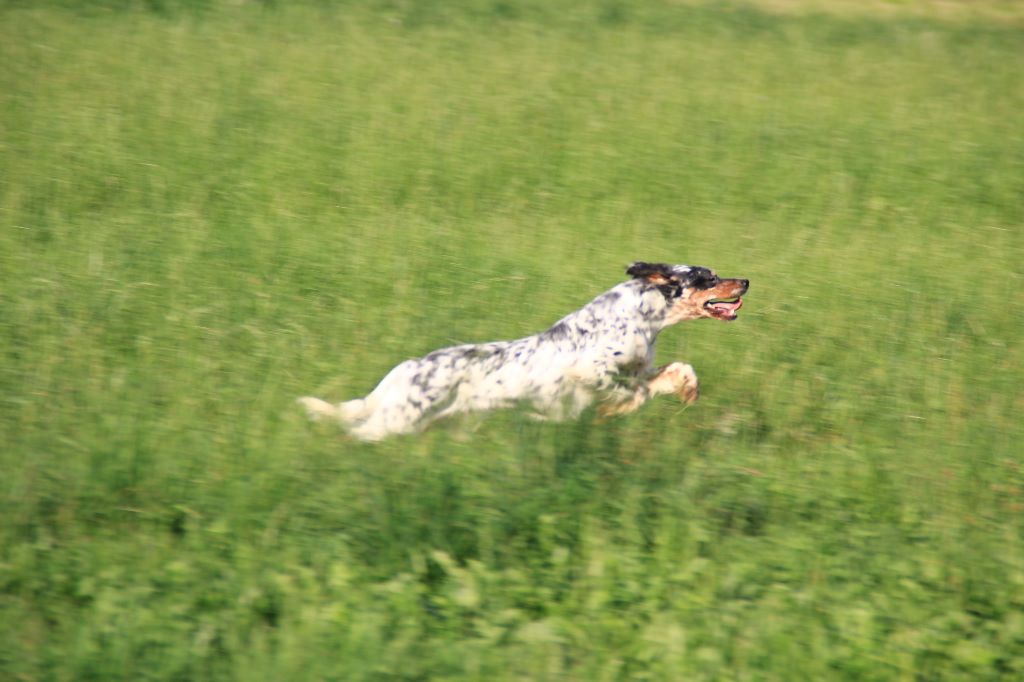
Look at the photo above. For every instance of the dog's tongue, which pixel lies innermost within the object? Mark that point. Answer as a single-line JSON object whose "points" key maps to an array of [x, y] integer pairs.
{"points": [[726, 310], [728, 307]]}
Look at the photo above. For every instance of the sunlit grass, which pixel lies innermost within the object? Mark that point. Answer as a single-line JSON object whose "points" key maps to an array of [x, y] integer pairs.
{"points": [[209, 210]]}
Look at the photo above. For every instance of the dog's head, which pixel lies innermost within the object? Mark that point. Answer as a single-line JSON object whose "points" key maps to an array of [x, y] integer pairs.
{"points": [[691, 291]]}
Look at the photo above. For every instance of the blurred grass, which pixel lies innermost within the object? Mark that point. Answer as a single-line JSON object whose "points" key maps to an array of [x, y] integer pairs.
{"points": [[210, 209]]}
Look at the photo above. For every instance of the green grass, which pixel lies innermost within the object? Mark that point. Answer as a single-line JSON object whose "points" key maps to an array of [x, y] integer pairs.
{"points": [[207, 210]]}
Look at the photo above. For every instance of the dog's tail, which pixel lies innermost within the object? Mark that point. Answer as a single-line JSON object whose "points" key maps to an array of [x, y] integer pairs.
{"points": [[347, 412]]}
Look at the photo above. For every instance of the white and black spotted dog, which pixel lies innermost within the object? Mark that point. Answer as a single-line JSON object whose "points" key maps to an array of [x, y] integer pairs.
{"points": [[602, 352]]}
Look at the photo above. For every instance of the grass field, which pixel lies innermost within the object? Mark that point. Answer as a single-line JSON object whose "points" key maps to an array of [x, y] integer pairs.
{"points": [[208, 209]]}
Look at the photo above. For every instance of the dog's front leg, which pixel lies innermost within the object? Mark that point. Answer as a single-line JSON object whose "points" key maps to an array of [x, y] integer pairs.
{"points": [[677, 377]]}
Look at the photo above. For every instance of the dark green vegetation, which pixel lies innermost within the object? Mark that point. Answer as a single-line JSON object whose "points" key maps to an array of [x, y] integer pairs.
{"points": [[206, 211]]}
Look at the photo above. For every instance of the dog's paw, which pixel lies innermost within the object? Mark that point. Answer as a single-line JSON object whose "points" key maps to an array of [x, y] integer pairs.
{"points": [[678, 378], [689, 391], [684, 382], [317, 409]]}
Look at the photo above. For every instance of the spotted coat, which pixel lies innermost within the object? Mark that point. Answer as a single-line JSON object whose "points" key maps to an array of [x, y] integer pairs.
{"points": [[602, 352]]}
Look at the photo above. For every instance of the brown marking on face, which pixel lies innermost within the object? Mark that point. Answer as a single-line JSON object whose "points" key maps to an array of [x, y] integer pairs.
{"points": [[695, 303]]}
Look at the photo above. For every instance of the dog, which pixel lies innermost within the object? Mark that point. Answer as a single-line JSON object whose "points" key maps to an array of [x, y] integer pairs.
{"points": [[601, 353]]}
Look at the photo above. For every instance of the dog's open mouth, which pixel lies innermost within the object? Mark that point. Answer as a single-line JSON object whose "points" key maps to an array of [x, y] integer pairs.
{"points": [[724, 308]]}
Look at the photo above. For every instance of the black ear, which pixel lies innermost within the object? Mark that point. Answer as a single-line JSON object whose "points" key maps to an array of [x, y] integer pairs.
{"points": [[659, 273]]}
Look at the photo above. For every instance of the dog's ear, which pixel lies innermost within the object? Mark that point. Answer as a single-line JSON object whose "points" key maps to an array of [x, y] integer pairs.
{"points": [[655, 273]]}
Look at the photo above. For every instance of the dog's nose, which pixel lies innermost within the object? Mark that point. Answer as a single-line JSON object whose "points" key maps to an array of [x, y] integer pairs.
{"points": [[745, 283]]}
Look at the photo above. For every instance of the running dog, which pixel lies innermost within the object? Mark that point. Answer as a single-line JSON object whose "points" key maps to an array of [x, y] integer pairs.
{"points": [[602, 353]]}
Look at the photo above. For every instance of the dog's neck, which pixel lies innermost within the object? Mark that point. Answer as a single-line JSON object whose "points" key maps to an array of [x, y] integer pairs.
{"points": [[650, 302]]}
